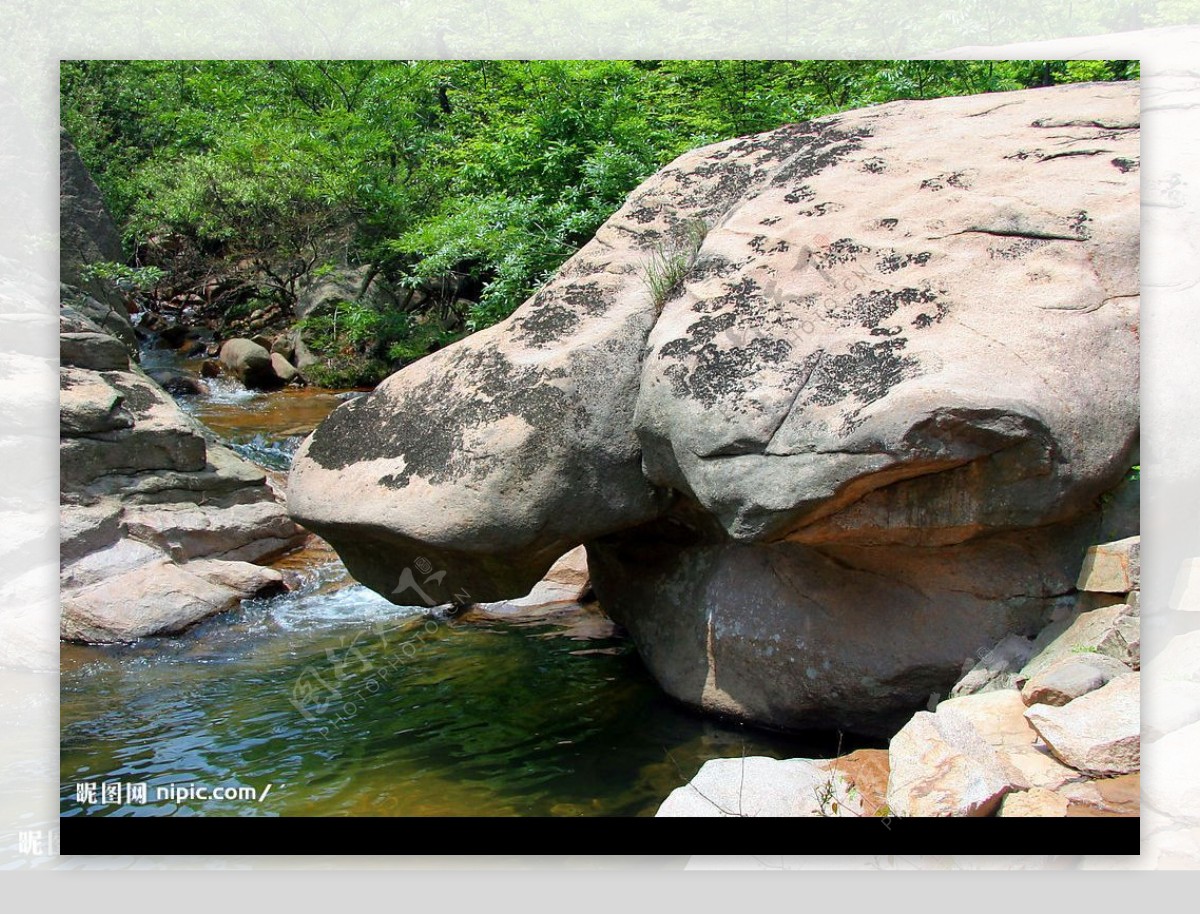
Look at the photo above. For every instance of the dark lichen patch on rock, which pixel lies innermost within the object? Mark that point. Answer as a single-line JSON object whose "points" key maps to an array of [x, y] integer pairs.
{"points": [[769, 221], [137, 397], [864, 374], [926, 319], [824, 146], [887, 224], [1078, 223], [893, 261], [431, 429], [709, 266], [719, 373], [642, 213], [941, 182], [874, 165], [549, 320], [762, 244], [870, 309], [739, 334], [841, 251], [1126, 165], [821, 209], [802, 194]]}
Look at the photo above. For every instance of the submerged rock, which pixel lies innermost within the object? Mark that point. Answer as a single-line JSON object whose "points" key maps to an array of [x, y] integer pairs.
{"points": [[862, 439]]}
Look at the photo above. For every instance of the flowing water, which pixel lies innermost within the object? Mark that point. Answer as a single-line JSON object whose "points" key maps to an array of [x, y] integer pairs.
{"points": [[347, 705]]}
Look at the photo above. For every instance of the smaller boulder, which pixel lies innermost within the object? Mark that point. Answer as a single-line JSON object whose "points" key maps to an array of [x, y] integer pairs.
{"points": [[157, 598], [998, 669], [1104, 797], [1113, 631], [174, 335], [249, 363], [179, 384], [284, 370], [98, 352], [1069, 678], [1099, 733], [246, 578], [1114, 568]]}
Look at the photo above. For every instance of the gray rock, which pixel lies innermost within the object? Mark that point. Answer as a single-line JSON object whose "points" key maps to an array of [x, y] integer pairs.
{"points": [[1070, 678], [247, 579], [1113, 568], [249, 363], [96, 351], [998, 669], [179, 384], [758, 786], [284, 370], [342, 284], [85, 529], [87, 231], [88, 314], [1099, 733], [160, 436], [857, 421]]}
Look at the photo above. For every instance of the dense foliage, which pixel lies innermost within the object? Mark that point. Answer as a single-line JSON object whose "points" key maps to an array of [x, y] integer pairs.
{"points": [[461, 184]]}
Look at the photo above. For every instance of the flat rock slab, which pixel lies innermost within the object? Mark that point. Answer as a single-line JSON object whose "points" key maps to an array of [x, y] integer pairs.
{"points": [[157, 598], [1069, 678], [187, 531], [1099, 733], [758, 786], [1105, 797], [90, 350], [866, 773]]}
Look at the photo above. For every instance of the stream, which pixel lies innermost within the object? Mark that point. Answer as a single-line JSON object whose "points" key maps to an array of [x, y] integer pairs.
{"points": [[345, 704]]}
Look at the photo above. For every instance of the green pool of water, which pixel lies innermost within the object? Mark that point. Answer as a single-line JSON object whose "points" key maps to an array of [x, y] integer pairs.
{"points": [[428, 718]]}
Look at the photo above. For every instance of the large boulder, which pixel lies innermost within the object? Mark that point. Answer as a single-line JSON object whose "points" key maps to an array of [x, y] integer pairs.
{"points": [[861, 438]]}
